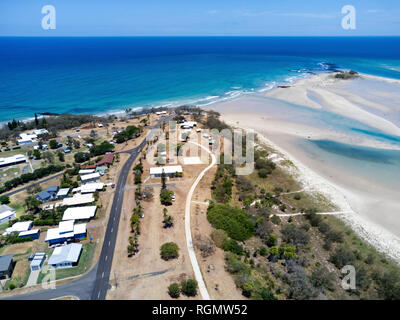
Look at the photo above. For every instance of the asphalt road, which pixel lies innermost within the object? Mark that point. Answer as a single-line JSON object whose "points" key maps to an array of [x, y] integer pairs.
{"points": [[94, 285]]}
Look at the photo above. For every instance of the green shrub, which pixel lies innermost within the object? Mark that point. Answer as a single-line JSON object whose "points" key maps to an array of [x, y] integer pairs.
{"points": [[169, 250], [189, 287], [174, 290], [232, 246], [236, 222]]}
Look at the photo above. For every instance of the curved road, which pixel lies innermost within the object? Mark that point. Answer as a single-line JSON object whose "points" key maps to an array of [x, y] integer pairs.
{"points": [[94, 285], [189, 242]]}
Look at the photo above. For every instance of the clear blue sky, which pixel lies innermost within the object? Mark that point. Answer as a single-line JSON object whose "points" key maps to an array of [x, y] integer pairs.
{"points": [[199, 17]]}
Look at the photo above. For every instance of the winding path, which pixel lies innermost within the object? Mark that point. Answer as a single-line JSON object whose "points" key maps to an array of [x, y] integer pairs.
{"points": [[189, 242]]}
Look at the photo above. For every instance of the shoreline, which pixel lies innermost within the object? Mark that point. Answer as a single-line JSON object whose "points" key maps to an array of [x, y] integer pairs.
{"points": [[373, 234], [372, 208]]}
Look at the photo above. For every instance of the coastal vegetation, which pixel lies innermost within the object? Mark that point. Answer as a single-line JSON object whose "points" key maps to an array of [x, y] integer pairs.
{"points": [[53, 123], [274, 256]]}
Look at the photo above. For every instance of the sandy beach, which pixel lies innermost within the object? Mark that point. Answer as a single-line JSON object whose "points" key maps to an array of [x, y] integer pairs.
{"points": [[360, 118]]}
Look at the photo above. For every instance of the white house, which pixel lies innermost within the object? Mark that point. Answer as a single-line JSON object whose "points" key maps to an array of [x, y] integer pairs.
{"points": [[89, 188], [66, 231], [15, 159], [66, 256], [38, 132], [89, 178], [78, 199], [79, 213], [86, 171], [6, 214], [27, 138], [20, 227], [169, 171]]}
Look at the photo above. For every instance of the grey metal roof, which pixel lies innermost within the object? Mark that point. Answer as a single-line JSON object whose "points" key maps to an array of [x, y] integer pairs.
{"points": [[43, 195], [5, 262], [52, 189], [4, 208], [67, 253]]}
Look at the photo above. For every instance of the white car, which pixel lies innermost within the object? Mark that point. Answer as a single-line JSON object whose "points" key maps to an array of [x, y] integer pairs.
{"points": [[173, 198]]}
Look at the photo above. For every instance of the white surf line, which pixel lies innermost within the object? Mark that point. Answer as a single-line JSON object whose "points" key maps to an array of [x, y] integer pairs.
{"points": [[189, 242]]}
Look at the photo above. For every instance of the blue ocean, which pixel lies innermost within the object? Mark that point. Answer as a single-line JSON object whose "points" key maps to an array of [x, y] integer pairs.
{"points": [[107, 74]]}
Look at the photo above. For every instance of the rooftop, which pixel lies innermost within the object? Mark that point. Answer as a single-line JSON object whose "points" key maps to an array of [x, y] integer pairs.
{"points": [[5, 262], [169, 169], [78, 199], [68, 253], [90, 176], [79, 213], [107, 159]]}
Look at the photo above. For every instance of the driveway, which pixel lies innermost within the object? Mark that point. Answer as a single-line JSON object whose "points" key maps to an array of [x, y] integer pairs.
{"points": [[33, 278]]}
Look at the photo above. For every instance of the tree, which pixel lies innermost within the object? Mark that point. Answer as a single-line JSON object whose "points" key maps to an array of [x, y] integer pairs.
{"points": [[322, 278], [61, 156], [36, 120], [77, 144], [169, 250], [296, 235], [342, 256], [189, 287], [4, 200], [163, 178], [168, 221], [48, 156], [36, 154], [32, 203], [174, 290], [81, 157], [53, 144], [166, 197]]}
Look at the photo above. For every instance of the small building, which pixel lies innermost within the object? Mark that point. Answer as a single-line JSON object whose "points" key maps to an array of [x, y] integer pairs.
{"points": [[34, 234], [86, 171], [107, 159], [37, 261], [52, 190], [89, 188], [169, 171], [78, 199], [66, 256], [6, 214], [20, 227], [27, 138], [102, 170], [6, 266], [38, 132], [79, 213], [44, 196], [90, 178], [15, 159], [62, 193]]}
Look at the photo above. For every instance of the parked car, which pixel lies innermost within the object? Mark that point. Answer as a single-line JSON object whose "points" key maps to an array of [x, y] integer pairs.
{"points": [[173, 198]]}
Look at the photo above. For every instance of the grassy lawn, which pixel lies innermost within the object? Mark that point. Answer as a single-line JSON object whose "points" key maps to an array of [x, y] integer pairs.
{"points": [[19, 208]]}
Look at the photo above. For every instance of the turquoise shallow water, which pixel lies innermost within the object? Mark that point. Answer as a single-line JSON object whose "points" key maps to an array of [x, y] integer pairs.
{"points": [[99, 75]]}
